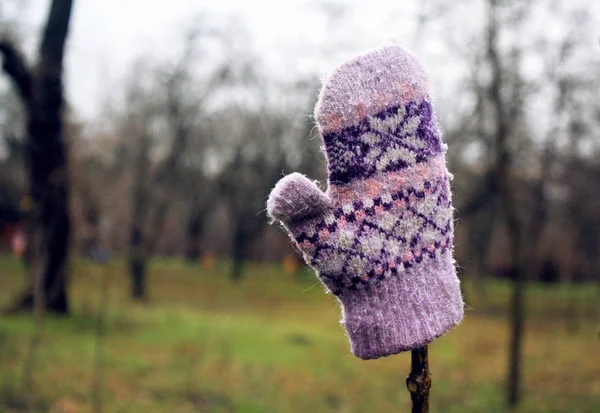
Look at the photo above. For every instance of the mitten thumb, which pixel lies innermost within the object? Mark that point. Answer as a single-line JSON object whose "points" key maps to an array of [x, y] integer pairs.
{"points": [[296, 197]]}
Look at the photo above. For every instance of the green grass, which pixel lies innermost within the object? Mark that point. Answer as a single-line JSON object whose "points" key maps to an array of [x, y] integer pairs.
{"points": [[273, 343]]}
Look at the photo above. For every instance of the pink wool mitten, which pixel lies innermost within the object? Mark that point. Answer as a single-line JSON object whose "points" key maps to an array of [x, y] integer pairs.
{"points": [[380, 237]]}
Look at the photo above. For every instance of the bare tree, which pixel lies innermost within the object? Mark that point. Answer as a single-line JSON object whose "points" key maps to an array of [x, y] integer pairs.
{"points": [[138, 253], [168, 128], [41, 93], [503, 170], [524, 201], [254, 166]]}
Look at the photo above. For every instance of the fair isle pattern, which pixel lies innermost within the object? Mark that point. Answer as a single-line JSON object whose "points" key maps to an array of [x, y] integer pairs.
{"points": [[380, 238], [392, 139], [371, 239]]}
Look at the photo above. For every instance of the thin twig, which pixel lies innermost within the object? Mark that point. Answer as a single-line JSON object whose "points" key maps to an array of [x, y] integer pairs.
{"points": [[418, 381], [99, 338]]}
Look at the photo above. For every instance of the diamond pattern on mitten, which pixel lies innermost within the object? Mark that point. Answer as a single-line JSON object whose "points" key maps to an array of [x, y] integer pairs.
{"points": [[380, 238]]}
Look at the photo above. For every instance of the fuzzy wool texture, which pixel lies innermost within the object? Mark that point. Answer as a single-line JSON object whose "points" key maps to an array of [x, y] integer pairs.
{"points": [[381, 237], [295, 197]]}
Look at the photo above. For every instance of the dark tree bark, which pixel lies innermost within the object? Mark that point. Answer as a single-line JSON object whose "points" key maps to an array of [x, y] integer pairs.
{"points": [[194, 230], [418, 381], [137, 265], [239, 185], [137, 247], [247, 226], [41, 91], [202, 200], [240, 241]]}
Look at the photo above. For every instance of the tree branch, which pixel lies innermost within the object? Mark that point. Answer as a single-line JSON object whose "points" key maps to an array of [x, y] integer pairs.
{"points": [[52, 47], [15, 67], [418, 381]]}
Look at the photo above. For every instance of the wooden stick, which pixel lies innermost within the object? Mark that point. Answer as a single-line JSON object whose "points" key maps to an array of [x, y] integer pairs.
{"points": [[418, 381]]}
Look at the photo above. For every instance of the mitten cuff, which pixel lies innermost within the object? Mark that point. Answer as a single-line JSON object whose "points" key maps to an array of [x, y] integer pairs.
{"points": [[405, 311]]}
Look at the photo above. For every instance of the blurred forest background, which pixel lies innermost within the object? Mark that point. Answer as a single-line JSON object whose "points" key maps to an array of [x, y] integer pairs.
{"points": [[141, 215]]}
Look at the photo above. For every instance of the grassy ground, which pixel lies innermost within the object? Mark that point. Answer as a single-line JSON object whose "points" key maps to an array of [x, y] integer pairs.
{"points": [[272, 343]]}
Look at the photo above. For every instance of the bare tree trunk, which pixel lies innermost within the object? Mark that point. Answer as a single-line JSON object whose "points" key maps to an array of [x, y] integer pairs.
{"points": [[503, 163], [148, 225], [99, 340], [137, 265], [194, 229], [517, 316], [41, 92], [137, 247]]}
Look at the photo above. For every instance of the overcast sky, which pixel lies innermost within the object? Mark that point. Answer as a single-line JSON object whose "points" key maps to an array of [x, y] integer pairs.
{"points": [[293, 36], [301, 36]]}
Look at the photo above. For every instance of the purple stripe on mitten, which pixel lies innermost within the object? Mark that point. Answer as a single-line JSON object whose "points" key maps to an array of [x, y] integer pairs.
{"points": [[380, 238]]}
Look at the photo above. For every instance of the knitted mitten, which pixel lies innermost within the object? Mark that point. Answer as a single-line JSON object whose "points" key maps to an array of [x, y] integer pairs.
{"points": [[380, 238]]}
